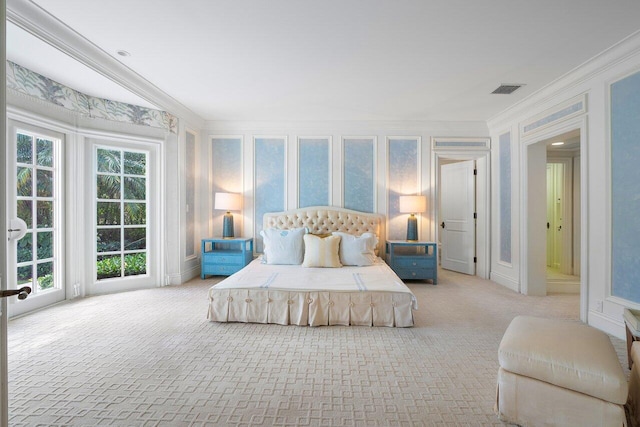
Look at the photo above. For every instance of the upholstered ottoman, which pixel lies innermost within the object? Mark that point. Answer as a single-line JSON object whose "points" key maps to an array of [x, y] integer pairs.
{"points": [[559, 373]]}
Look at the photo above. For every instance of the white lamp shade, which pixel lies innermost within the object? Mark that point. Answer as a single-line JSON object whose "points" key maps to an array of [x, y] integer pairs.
{"points": [[228, 201], [413, 204]]}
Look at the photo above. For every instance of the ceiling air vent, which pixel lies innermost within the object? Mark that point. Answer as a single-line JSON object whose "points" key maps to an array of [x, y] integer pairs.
{"points": [[507, 89]]}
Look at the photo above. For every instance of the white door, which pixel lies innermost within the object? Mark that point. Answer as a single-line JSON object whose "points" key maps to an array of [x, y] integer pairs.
{"points": [[35, 196], [457, 208]]}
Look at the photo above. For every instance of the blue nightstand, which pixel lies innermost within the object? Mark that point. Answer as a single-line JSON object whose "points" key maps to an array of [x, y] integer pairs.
{"points": [[223, 257], [413, 260]]}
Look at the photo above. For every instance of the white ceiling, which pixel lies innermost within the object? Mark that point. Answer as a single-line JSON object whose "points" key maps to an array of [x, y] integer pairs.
{"points": [[342, 59]]}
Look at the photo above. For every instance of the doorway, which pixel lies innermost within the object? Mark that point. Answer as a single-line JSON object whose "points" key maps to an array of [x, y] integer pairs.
{"points": [[553, 207], [480, 248]]}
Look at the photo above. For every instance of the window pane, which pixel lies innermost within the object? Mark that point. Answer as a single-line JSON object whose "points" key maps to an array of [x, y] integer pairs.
{"points": [[25, 275], [25, 248], [45, 245], [108, 240], [24, 212], [135, 238], [109, 161], [45, 275], [109, 266], [135, 264], [24, 149], [135, 188], [135, 163], [108, 213], [108, 187], [45, 183], [24, 181], [135, 213], [44, 213], [44, 152]]}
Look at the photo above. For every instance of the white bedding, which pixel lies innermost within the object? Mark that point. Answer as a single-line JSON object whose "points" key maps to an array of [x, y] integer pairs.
{"points": [[292, 294], [378, 277]]}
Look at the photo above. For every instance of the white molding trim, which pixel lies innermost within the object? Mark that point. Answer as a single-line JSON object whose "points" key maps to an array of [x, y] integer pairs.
{"points": [[505, 281], [599, 64], [607, 324], [557, 129], [483, 224], [484, 140], [550, 111], [38, 22]]}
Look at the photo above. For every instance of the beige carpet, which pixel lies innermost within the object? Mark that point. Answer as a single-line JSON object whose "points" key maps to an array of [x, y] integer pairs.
{"points": [[150, 357]]}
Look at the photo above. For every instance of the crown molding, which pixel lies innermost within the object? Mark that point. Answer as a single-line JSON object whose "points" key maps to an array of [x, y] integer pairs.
{"points": [[38, 22], [617, 54]]}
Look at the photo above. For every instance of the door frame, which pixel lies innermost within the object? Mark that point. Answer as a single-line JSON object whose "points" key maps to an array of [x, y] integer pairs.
{"points": [[37, 301], [483, 238], [4, 377], [528, 249]]}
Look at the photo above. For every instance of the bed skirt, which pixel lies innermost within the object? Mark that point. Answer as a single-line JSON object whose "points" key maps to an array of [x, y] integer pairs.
{"points": [[312, 308]]}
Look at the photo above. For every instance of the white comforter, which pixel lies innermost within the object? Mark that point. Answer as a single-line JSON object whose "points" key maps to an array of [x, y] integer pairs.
{"points": [[295, 295]]}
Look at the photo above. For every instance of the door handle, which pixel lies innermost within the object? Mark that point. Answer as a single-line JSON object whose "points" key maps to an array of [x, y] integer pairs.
{"points": [[22, 293], [442, 224], [17, 226]]}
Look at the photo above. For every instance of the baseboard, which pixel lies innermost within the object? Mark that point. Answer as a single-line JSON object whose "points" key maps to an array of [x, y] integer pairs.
{"points": [[606, 324], [190, 273], [505, 281]]}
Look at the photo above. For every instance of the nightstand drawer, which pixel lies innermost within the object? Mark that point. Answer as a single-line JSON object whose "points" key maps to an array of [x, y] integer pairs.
{"points": [[415, 273], [414, 262], [223, 258], [222, 270]]}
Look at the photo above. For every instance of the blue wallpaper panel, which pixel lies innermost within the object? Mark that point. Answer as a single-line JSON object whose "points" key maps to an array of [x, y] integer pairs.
{"points": [[505, 196], [190, 194], [313, 172], [226, 174], [359, 179], [269, 181], [625, 191], [403, 180]]}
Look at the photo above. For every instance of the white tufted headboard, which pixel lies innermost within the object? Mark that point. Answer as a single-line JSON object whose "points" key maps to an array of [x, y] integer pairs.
{"points": [[325, 219]]}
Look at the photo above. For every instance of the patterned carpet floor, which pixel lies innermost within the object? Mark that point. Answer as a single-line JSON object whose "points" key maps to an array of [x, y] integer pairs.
{"points": [[151, 358]]}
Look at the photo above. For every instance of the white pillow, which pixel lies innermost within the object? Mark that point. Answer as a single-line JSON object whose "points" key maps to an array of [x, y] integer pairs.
{"points": [[321, 251], [283, 246], [357, 250]]}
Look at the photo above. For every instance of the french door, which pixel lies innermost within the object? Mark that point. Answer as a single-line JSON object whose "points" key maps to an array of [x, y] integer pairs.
{"points": [[125, 222], [35, 196]]}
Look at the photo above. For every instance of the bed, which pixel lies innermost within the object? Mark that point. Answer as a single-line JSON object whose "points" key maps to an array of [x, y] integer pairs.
{"points": [[369, 294]]}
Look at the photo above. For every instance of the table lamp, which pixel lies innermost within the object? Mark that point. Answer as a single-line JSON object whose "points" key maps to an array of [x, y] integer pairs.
{"points": [[412, 205], [228, 202]]}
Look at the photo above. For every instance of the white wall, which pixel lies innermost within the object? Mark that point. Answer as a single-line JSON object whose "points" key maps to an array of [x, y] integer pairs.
{"points": [[336, 130], [592, 79]]}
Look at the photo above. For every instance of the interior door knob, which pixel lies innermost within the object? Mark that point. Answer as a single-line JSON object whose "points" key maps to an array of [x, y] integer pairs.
{"points": [[442, 224]]}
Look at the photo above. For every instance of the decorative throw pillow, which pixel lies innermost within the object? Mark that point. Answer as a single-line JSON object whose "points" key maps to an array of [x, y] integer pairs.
{"points": [[357, 250], [321, 252], [283, 246]]}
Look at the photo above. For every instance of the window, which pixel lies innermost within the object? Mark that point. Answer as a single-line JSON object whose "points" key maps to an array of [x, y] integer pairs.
{"points": [[121, 181]]}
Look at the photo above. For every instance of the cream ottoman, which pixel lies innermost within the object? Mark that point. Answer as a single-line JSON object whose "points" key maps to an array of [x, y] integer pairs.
{"points": [[559, 373]]}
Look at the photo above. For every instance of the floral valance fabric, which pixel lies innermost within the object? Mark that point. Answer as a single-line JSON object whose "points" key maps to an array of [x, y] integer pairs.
{"points": [[31, 83]]}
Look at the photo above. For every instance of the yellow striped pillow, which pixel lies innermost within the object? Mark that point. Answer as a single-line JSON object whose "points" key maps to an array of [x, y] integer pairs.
{"points": [[321, 252]]}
